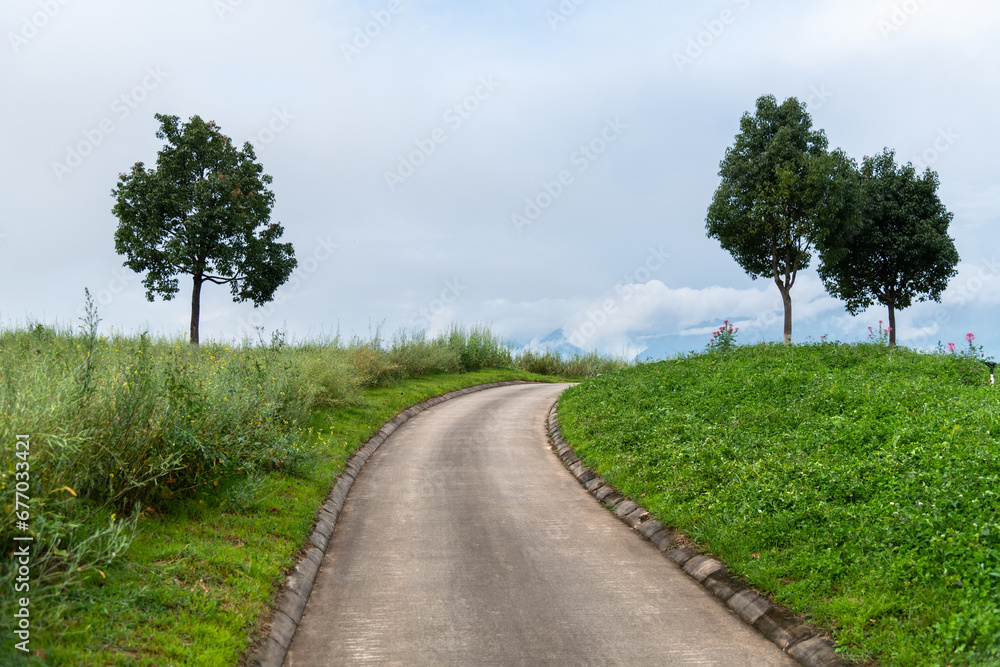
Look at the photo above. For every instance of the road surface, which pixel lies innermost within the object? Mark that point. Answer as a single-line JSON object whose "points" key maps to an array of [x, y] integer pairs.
{"points": [[464, 541]]}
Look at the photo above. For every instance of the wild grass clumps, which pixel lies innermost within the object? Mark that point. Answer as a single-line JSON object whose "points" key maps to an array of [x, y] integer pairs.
{"points": [[122, 425], [334, 371], [590, 364], [479, 348]]}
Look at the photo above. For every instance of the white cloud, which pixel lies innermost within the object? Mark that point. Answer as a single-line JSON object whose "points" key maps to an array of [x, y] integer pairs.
{"points": [[977, 284], [451, 220], [621, 319]]}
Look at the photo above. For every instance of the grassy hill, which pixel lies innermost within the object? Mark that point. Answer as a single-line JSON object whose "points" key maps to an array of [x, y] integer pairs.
{"points": [[856, 484]]}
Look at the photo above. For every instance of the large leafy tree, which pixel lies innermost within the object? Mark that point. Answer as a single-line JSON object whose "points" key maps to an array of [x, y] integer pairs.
{"points": [[902, 251], [204, 211], [783, 195]]}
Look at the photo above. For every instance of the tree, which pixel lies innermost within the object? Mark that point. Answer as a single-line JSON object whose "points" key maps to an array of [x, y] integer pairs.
{"points": [[203, 211], [783, 195], [902, 250]]}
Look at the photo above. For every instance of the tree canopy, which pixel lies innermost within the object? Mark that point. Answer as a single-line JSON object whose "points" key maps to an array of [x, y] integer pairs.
{"points": [[204, 211], [783, 195], [902, 251]]}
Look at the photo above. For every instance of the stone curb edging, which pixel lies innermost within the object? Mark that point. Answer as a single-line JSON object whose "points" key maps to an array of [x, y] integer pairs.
{"points": [[803, 643], [287, 613]]}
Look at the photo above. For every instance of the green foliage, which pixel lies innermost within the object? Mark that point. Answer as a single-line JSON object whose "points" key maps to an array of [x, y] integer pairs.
{"points": [[479, 348], [579, 366], [172, 485], [545, 363], [204, 211], [783, 194], [724, 339], [132, 434], [902, 251], [417, 356], [879, 336], [857, 484]]}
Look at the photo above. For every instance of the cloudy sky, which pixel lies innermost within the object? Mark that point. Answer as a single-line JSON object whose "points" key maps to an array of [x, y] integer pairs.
{"points": [[536, 165]]}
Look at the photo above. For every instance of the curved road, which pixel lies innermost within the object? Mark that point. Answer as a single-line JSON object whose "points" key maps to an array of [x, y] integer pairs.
{"points": [[464, 541]]}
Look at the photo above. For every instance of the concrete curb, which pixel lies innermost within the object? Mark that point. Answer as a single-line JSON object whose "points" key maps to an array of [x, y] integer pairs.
{"points": [[291, 603], [804, 644]]}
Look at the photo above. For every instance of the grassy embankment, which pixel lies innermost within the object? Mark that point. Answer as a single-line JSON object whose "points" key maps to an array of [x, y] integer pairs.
{"points": [[856, 484], [171, 487]]}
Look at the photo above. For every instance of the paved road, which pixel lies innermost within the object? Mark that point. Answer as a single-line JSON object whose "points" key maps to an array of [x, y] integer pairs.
{"points": [[464, 541]]}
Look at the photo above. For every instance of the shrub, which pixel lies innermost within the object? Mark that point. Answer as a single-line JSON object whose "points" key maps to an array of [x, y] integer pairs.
{"points": [[548, 363], [479, 348], [724, 339], [416, 356]]}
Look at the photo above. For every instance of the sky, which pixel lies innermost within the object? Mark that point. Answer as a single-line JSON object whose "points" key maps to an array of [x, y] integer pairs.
{"points": [[542, 167]]}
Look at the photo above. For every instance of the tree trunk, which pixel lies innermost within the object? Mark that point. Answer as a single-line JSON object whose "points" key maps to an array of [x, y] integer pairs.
{"points": [[786, 299], [892, 323], [196, 307]]}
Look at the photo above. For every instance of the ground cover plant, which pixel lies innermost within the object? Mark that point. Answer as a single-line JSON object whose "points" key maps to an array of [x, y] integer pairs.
{"points": [[171, 485], [856, 484]]}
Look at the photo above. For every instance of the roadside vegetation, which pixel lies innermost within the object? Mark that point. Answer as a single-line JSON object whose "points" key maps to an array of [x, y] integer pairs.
{"points": [[171, 485], [858, 485]]}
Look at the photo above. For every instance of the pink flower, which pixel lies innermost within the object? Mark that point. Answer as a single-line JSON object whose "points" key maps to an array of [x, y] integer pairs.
{"points": [[969, 338], [951, 347]]}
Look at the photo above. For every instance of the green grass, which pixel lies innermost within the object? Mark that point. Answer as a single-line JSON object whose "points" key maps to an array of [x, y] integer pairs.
{"points": [[857, 485], [199, 577], [171, 487]]}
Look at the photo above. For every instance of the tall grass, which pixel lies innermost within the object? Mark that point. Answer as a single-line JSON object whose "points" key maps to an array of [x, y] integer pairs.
{"points": [[122, 425]]}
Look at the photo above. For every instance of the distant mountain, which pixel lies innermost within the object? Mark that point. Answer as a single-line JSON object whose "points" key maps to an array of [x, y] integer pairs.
{"points": [[665, 347], [654, 346], [554, 342]]}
